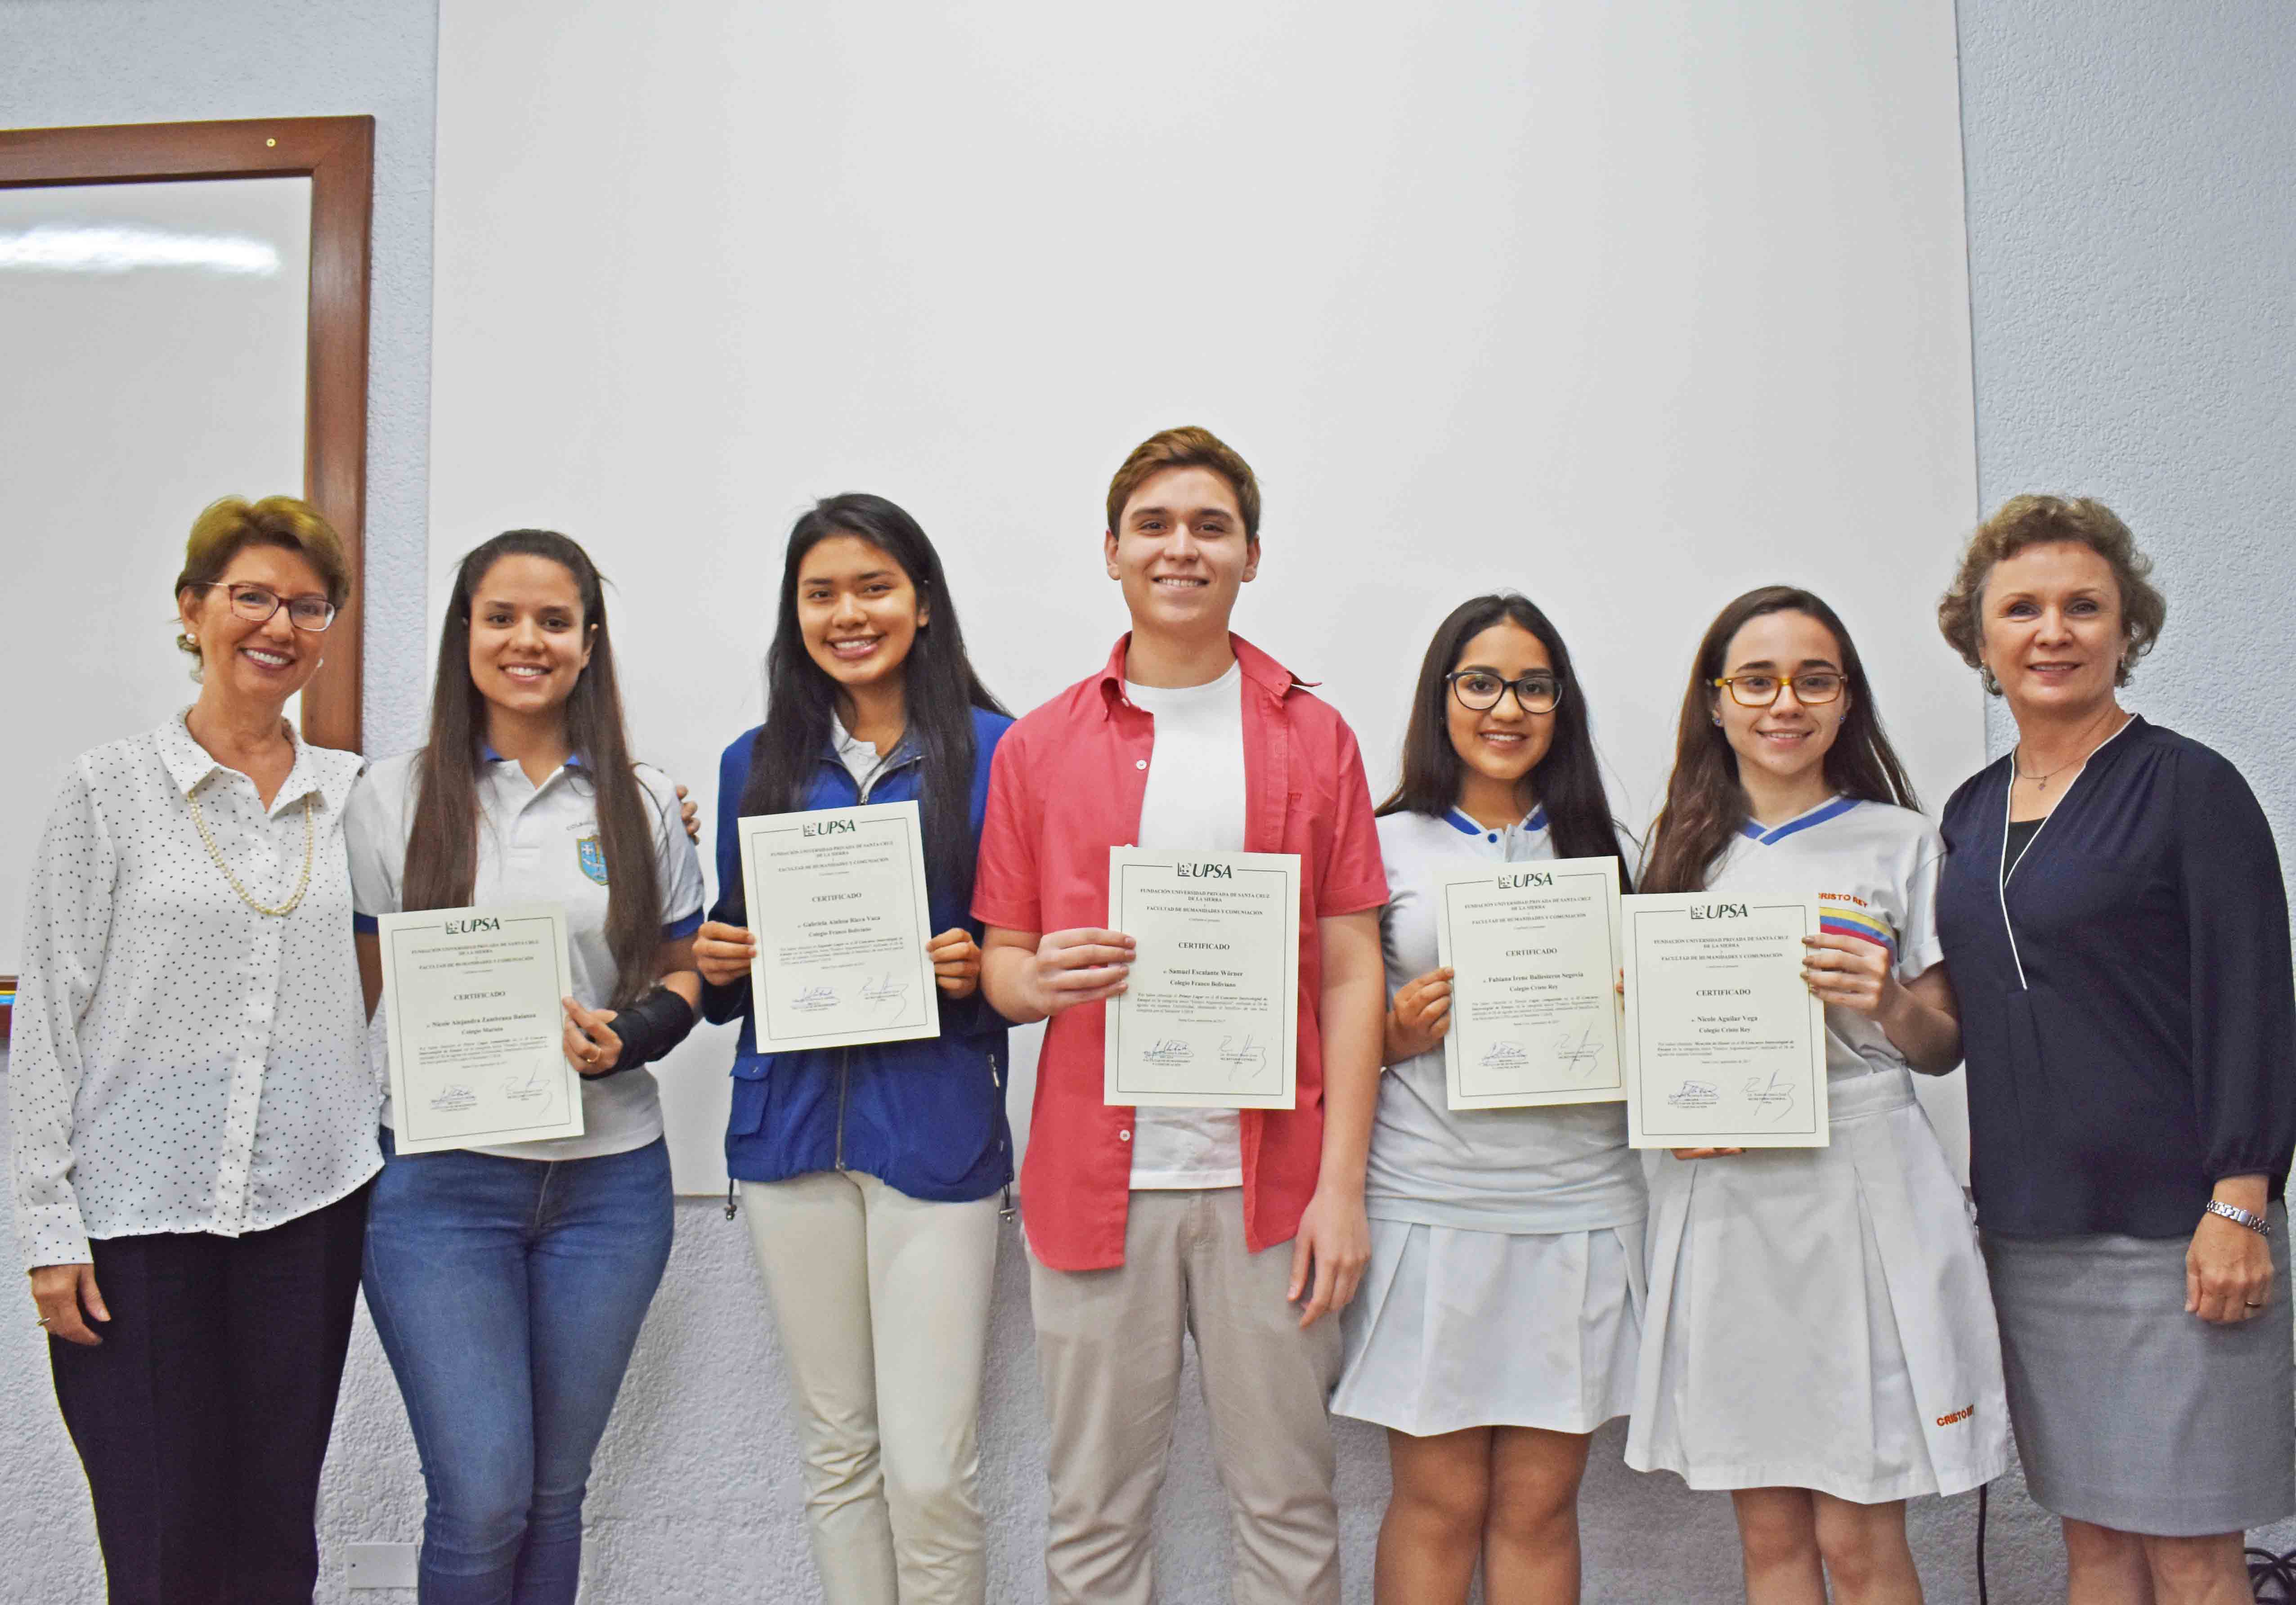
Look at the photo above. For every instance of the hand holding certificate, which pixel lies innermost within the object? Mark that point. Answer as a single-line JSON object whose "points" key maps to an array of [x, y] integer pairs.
{"points": [[1533, 948], [1726, 1043], [1209, 1018], [476, 1030], [837, 900]]}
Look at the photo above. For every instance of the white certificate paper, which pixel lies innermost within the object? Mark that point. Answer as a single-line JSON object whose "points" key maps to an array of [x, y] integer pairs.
{"points": [[477, 1035], [1726, 1043], [837, 900], [1534, 949], [1210, 1016]]}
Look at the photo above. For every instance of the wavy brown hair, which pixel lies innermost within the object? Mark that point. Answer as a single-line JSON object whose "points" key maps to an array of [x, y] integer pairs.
{"points": [[2037, 521], [442, 842], [1705, 804], [1190, 445]]}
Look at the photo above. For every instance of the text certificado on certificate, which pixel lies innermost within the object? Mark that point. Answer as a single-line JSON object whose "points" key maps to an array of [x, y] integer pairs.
{"points": [[837, 899], [1726, 1043], [1209, 1015], [1533, 948], [477, 1035]]}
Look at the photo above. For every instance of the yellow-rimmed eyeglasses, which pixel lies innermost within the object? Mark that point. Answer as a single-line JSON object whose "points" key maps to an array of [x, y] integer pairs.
{"points": [[1759, 690], [1479, 690], [257, 604]]}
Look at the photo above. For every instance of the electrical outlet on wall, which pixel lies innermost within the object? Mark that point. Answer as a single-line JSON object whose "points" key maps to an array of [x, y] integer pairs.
{"points": [[382, 1565]]}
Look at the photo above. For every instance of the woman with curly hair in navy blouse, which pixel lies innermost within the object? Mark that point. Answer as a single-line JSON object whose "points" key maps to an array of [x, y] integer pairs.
{"points": [[2113, 914]]}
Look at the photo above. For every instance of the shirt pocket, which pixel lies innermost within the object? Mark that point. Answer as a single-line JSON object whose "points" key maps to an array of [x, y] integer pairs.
{"points": [[752, 1084]]}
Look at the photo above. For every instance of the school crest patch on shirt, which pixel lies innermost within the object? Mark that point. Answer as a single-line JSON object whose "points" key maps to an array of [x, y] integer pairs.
{"points": [[593, 858]]}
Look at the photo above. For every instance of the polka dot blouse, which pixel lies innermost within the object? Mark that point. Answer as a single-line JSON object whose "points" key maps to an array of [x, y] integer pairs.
{"points": [[183, 1063]]}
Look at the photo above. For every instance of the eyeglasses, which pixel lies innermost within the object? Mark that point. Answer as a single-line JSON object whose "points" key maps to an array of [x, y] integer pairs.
{"points": [[1759, 690], [257, 603], [1479, 690]]}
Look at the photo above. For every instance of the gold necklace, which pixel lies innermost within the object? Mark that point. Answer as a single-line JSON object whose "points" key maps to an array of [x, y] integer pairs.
{"points": [[2042, 778], [302, 883]]}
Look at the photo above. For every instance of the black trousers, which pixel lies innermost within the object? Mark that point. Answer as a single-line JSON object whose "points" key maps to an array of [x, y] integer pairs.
{"points": [[202, 1418]]}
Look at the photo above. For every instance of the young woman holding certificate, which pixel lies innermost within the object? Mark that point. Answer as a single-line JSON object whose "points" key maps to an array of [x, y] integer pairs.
{"points": [[1820, 1338], [871, 1175], [1502, 1308], [508, 1283]]}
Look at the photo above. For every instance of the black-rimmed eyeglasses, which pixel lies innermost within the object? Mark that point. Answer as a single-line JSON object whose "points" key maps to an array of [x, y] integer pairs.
{"points": [[1479, 690], [257, 604]]}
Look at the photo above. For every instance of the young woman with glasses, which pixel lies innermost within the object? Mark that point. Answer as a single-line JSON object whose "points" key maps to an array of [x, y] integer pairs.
{"points": [[1820, 1340], [1501, 1310]]}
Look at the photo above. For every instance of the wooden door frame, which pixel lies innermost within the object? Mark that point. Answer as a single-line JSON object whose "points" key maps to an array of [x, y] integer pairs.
{"points": [[337, 155]]}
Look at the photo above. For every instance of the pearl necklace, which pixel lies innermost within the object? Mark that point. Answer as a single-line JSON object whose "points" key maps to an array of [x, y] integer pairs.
{"points": [[302, 883]]}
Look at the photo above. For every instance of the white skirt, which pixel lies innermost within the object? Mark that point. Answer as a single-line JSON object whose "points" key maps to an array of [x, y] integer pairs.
{"points": [[1819, 1317], [1455, 1328]]}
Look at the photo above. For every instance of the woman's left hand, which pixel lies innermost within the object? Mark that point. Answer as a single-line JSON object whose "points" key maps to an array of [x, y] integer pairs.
{"points": [[592, 1048], [2227, 1272], [1850, 973], [957, 962], [691, 814]]}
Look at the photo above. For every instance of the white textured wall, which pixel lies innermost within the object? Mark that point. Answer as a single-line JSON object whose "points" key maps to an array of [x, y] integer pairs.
{"points": [[2132, 236]]}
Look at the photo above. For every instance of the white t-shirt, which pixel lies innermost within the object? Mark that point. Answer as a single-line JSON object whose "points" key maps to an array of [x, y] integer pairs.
{"points": [[536, 845], [1194, 800], [1874, 868]]}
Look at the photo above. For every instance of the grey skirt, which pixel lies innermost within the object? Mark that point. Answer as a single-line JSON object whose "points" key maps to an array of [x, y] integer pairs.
{"points": [[2130, 1414]]}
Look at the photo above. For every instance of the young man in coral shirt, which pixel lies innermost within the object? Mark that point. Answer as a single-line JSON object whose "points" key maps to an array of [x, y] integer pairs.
{"points": [[1242, 1228]]}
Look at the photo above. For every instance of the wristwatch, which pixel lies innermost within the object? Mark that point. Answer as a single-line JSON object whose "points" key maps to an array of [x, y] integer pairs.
{"points": [[2240, 1216]]}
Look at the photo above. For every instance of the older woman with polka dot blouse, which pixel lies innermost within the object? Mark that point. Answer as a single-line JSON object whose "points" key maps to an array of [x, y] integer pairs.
{"points": [[193, 1118]]}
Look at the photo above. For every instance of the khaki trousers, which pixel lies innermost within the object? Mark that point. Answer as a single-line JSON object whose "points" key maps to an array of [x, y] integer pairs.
{"points": [[1109, 1349], [883, 1304]]}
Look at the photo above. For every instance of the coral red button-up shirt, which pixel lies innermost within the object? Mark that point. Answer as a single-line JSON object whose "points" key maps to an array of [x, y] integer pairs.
{"points": [[1066, 787]]}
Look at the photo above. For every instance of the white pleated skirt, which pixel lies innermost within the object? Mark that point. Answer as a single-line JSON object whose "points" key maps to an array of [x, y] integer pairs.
{"points": [[1819, 1318], [1454, 1328]]}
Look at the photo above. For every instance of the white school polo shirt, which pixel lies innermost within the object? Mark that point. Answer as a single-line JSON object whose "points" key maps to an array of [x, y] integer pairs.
{"points": [[1563, 1169], [1874, 868], [536, 845]]}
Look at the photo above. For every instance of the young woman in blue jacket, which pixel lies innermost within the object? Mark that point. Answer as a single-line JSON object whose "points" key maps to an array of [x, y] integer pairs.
{"points": [[873, 1176]]}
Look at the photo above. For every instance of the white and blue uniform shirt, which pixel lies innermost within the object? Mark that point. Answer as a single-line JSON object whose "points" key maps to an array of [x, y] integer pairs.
{"points": [[537, 844], [1874, 867], [1561, 1169]]}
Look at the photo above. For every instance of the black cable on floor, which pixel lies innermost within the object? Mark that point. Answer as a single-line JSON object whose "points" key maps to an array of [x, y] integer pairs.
{"points": [[2276, 1572], [1983, 1598]]}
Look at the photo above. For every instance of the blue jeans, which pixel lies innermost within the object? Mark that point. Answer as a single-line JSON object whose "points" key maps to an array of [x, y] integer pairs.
{"points": [[508, 1294]]}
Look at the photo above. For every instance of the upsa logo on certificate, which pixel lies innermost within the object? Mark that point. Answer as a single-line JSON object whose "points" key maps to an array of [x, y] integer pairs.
{"points": [[1209, 1017]]}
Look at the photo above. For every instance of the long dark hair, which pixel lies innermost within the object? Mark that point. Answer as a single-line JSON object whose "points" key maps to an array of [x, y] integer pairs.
{"points": [[939, 692], [442, 858], [1568, 782], [1705, 804]]}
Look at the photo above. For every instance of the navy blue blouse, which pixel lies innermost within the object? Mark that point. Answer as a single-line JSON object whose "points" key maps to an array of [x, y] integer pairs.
{"points": [[2127, 1009]]}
